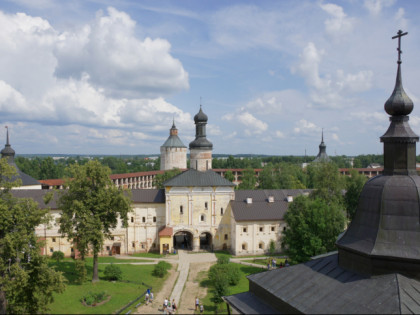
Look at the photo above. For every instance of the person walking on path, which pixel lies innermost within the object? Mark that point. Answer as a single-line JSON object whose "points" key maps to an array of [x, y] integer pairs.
{"points": [[201, 308], [151, 297], [273, 262], [197, 302]]}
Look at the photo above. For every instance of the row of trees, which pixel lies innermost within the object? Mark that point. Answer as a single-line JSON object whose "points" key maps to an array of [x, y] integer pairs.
{"points": [[48, 168], [91, 207]]}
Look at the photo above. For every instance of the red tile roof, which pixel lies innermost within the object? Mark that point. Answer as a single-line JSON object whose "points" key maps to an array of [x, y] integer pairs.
{"points": [[167, 231]]}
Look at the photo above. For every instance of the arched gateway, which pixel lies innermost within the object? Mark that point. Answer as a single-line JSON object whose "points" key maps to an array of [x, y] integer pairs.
{"points": [[183, 240], [206, 241]]}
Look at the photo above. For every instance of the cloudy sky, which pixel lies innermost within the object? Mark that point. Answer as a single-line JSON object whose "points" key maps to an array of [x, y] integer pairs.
{"points": [[108, 77]]}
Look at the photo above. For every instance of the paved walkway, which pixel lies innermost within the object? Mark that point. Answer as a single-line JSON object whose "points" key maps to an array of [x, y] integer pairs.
{"points": [[185, 258]]}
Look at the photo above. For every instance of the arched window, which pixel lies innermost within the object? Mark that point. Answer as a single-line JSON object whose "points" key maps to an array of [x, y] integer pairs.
{"points": [[202, 218], [261, 245], [244, 246], [181, 209]]}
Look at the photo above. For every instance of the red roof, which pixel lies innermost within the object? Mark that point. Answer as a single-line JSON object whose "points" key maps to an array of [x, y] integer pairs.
{"points": [[167, 231]]}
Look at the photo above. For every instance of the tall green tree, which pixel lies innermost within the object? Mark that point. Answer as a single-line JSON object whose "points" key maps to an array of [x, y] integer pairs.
{"points": [[268, 177], [326, 180], [248, 179], [313, 225], [27, 283], [229, 176], [91, 207], [354, 186]]}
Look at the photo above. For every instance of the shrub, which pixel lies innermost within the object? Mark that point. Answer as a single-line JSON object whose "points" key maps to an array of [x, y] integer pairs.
{"points": [[272, 248], [161, 269], [80, 271], [113, 273], [220, 283], [223, 260], [233, 274], [94, 298], [57, 256]]}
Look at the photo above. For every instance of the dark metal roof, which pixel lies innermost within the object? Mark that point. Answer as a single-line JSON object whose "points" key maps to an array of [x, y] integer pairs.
{"points": [[200, 141], [173, 142], [322, 286], [260, 209], [322, 155], [137, 196], [200, 117], [148, 195], [249, 303], [193, 177]]}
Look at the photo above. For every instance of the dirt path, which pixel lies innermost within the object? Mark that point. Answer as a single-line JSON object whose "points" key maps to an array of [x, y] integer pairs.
{"points": [[197, 273], [156, 306]]}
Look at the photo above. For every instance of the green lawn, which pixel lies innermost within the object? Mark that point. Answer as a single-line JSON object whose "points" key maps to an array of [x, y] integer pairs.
{"points": [[110, 259], [148, 255], [242, 286], [121, 293]]}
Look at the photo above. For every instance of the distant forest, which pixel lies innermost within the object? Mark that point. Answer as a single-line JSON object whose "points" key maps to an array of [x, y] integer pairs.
{"points": [[47, 167]]}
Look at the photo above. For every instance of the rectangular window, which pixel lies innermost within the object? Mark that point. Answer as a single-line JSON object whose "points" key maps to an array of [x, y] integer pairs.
{"points": [[132, 219], [226, 236], [206, 205], [143, 219], [244, 229], [261, 229], [112, 238], [221, 211], [154, 219], [133, 244], [72, 250], [51, 250], [53, 239], [273, 229], [108, 248], [181, 209], [202, 218]]}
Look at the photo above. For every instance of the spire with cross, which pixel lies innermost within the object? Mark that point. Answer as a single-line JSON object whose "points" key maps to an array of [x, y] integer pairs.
{"points": [[400, 34]]}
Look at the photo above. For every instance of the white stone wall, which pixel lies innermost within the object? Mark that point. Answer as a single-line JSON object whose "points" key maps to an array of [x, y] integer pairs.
{"points": [[171, 158], [254, 237], [200, 159]]}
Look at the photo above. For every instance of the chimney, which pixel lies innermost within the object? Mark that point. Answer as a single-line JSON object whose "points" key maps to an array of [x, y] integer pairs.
{"points": [[270, 199], [249, 200], [289, 198]]}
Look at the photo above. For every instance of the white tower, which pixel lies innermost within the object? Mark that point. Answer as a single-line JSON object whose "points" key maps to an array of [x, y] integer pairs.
{"points": [[201, 148], [173, 153]]}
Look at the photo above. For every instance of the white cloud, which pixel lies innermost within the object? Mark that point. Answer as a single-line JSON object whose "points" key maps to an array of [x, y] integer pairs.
{"points": [[253, 125], [375, 6], [339, 24], [280, 134], [305, 127], [118, 61], [73, 77]]}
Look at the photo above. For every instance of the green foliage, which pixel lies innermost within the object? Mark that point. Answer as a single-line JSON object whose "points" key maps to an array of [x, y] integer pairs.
{"points": [[272, 247], [161, 269], [223, 260], [249, 180], [354, 186], [161, 178], [57, 255], [229, 176], [113, 273], [220, 284], [326, 180], [313, 227], [91, 207], [27, 283], [229, 271], [80, 271], [362, 161], [93, 298]]}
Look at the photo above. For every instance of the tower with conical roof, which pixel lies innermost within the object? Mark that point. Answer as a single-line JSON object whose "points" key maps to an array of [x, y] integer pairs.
{"points": [[322, 155], [27, 182], [201, 148], [173, 153]]}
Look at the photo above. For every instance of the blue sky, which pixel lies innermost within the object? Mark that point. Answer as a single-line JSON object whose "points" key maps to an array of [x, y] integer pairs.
{"points": [[108, 77]]}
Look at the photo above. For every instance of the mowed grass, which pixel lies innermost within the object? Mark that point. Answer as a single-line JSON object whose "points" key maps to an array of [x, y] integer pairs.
{"points": [[242, 286], [121, 292], [265, 261], [148, 255]]}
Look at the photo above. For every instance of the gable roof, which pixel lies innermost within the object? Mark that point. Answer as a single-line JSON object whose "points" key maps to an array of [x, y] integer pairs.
{"points": [[322, 286], [260, 209], [196, 178]]}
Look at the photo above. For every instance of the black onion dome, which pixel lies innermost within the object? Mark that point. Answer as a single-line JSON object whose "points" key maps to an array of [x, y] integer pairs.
{"points": [[398, 104], [200, 117], [7, 150]]}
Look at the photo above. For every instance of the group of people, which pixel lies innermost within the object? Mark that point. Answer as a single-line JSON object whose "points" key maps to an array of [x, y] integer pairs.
{"points": [[148, 297], [168, 307], [198, 305], [272, 263]]}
